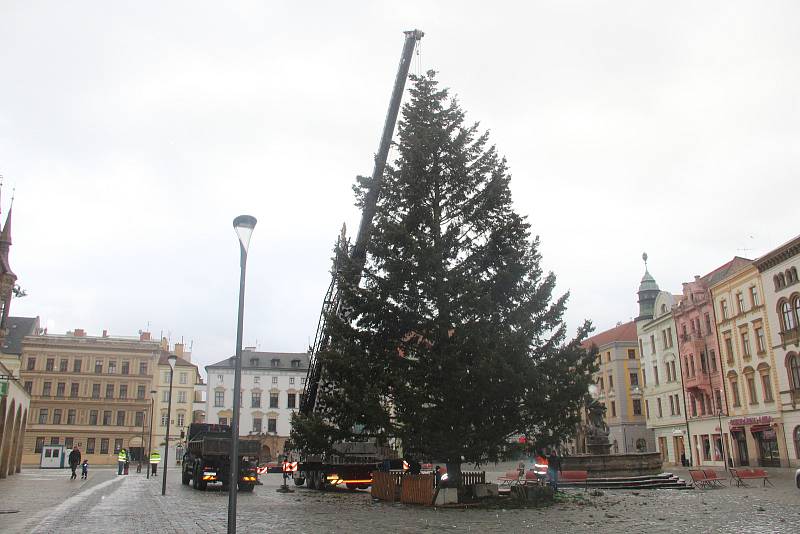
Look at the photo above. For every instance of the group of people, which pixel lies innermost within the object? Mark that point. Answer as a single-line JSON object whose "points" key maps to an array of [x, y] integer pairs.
{"points": [[546, 467], [123, 461]]}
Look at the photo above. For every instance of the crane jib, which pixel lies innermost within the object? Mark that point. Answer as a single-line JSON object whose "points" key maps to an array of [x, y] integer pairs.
{"points": [[359, 251]]}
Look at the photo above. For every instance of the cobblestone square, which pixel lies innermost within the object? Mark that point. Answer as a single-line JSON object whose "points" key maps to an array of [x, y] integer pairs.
{"points": [[48, 502]]}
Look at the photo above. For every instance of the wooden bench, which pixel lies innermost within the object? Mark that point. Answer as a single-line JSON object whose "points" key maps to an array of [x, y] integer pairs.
{"points": [[510, 478], [740, 475], [713, 479], [699, 479], [575, 477]]}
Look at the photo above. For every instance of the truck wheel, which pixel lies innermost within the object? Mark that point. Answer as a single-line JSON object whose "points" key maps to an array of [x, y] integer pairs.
{"points": [[321, 481], [246, 487], [201, 485], [299, 481]]}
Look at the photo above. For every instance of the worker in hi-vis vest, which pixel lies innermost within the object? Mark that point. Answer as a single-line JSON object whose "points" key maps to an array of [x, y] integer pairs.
{"points": [[122, 457], [155, 459]]}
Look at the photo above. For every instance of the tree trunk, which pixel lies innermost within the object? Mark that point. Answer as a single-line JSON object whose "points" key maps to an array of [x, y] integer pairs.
{"points": [[454, 479]]}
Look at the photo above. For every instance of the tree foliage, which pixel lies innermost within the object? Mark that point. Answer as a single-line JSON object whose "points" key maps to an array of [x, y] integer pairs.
{"points": [[451, 340]]}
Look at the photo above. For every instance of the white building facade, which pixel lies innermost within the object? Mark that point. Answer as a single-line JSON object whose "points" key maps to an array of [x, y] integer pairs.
{"points": [[272, 383]]}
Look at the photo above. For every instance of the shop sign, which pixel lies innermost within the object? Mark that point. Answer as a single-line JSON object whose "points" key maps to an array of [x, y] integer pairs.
{"points": [[760, 420]]}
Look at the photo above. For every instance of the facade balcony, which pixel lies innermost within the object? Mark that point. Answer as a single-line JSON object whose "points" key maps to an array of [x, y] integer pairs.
{"points": [[66, 399], [790, 337], [699, 380]]}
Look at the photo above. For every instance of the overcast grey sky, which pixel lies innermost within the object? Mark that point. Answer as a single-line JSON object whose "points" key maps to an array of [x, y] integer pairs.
{"points": [[135, 131]]}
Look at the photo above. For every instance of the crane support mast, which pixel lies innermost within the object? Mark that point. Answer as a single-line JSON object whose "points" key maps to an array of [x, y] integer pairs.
{"points": [[359, 251]]}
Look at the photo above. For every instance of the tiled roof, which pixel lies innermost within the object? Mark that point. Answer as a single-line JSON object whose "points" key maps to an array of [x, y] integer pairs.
{"points": [[179, 362], [263, 360], [720, 273], [18, 328], [623, 332]]}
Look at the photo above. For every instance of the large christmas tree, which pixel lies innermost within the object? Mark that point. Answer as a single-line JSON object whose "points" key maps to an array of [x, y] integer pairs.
{"points": [[450, 339]]}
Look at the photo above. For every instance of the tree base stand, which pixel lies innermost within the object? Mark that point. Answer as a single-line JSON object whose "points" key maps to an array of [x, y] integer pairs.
{"points": [[285, 489]]}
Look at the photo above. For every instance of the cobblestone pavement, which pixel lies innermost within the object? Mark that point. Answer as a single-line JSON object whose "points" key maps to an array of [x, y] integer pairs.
{"points": [[134, 504]]}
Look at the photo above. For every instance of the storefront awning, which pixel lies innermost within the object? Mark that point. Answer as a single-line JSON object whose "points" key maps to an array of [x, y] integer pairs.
{"points": [[737, 429], [760, 428]]}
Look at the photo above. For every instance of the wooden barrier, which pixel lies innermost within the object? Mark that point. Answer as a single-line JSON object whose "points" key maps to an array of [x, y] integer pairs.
{"points": [[469, 478], [417, 489], [384, 486]]}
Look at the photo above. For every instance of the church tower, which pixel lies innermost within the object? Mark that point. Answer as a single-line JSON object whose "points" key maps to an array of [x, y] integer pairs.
{"points": [[648, 291], [7, 277]]}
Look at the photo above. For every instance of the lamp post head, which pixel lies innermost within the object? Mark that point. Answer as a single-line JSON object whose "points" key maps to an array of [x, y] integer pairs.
{"points": [[172, 359], [244, 225], [153, 393]]}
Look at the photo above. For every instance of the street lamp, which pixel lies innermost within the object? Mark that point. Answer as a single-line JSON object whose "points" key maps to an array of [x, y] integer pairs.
{"points": [[150, 440], [722, 440], [244, 225], [171, 359]]}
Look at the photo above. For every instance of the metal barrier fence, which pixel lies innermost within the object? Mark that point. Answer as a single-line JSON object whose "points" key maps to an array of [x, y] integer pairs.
{"points": [[414, 489]]}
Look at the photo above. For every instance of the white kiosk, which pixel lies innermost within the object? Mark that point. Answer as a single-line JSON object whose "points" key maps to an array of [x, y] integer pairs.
{"points": [[53, 457]]}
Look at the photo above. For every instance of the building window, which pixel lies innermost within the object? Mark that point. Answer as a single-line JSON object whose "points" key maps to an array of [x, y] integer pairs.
{"points": [[181, 397], [223, 420], [98, 368], [291, 401], [183, 378], [166, 379], [112, 367], [63, 365], [745, 343], [295, 364], [50, 364], [613, 409], [109, 391], [647, 408], [57, 416], [303, 381], [39, 444], [291, 380], [123, 391], [787, 316], [671, 405], [257, 425], [255, 400], [95, 391], [31, 365], [256, 380], [275, 362], [73, 390], [750, 379], [43, 414], [106, 417], [658, 402], [723, 307], [70, 417], [126, 368], [76, 366], [46, 389], [69, 442], [273, 400], [634, 379], [740, 302], [181, 419], [766, 383], [274, 379], [761, 345], [29, 386], [796, 434], [140, 392], [117, 445], [655, 374], [631, 354], [138, 419], [728, 346], [120, 418], [754, 297], [272, 425], [93, 417], [601, 384], [103, 445], [164, 418], [89, 445], [713, 360], [253, 362], [677, 405], [142, 368], [219, 399], [61, 389], [220, 378], [637, 407], [54, 440]]}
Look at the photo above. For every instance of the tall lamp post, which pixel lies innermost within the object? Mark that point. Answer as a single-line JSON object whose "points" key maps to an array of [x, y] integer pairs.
{"points": [[722, 440], [150, 440], [171, 360], [244, 225]]}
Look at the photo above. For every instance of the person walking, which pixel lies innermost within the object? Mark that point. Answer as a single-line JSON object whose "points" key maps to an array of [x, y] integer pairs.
{"points": [[155, 459], [553, 469], [122, 458], [74, 461], [85, 469]]}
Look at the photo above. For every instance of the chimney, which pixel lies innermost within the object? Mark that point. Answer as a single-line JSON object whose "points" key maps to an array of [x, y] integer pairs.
{"points": [[144, 336], [105, 333], [179, 350], [79, 332]]}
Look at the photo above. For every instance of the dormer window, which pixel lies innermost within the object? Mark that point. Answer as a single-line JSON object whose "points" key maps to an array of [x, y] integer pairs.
{"points": [[275, 362], [254, 362], [295, 363]]}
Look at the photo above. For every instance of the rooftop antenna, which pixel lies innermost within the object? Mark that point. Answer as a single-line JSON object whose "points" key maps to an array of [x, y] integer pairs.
{"points": [[743, 249]]}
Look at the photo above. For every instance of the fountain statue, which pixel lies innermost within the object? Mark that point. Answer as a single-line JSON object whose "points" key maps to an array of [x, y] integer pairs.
{"points": [[596, 428]]}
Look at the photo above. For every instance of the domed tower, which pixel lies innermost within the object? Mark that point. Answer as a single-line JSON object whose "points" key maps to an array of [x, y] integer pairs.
{"points": [[648, 291]]}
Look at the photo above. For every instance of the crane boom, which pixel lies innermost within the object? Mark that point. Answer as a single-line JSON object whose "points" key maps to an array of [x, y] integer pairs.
{"points": [[359, 251]]}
